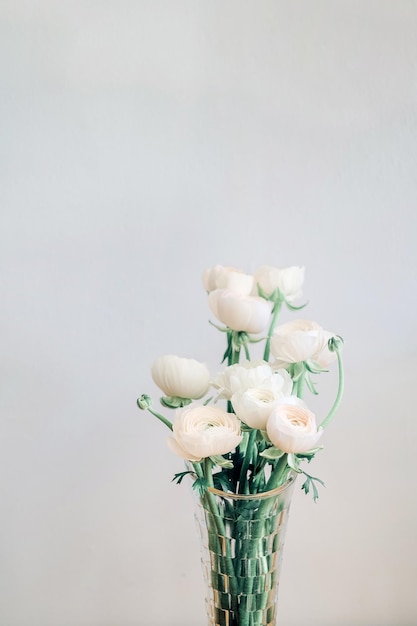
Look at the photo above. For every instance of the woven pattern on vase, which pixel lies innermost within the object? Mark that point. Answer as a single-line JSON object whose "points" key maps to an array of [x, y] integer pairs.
{"points": [[242, 543]]}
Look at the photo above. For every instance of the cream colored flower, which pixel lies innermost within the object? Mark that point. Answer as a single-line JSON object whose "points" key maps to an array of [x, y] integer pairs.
{"points": [[238, 312], [203, 431], [292, 426], [180, 377], [221, 277], [248, 375], [301, 340], [254, 406], [288, 280]]}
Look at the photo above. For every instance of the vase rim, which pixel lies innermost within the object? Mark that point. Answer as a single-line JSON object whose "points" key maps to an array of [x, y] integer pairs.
{"points": [[255, 496]]}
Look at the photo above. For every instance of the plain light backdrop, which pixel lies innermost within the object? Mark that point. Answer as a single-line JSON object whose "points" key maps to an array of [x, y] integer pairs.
{"points": [[142, 142]]}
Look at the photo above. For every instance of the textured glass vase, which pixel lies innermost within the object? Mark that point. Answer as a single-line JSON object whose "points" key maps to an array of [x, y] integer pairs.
{"points": [[242, 538]]}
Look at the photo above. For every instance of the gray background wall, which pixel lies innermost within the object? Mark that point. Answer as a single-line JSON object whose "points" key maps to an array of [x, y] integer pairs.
{"points": [[142, 142]]}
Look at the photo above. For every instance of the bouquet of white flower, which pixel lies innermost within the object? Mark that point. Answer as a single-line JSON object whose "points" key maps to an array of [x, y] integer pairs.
{"points": [[244, 453]]}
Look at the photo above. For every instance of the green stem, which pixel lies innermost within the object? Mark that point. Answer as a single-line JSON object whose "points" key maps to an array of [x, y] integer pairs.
{"points": [[300, 384], [277, 473], [220, 529], [274, 481], [276, 311], [338, 399], [163, 419], [235, 356], [208, 465], [259, 477], [243, 479], [232, 352]]}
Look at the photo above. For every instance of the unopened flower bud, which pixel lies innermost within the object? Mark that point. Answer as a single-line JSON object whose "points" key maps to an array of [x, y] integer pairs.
{"points": [[144, 402], [335, 343]]}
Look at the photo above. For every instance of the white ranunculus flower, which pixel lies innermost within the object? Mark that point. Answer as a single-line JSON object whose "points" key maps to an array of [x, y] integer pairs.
{"points": [[221, 277], [292, 427], [288, 280], [250, 375], [253, 405], [301, 340], [180, 377], [242, 313], [203, 431]]}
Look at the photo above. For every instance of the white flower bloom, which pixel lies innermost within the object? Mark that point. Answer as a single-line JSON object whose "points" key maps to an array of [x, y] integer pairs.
{"points": [[301, 340], [240, 377], [203, 431], [288, 280], [221, 277], [180, 377], [242, 313], [292, 426], [254, 405]]}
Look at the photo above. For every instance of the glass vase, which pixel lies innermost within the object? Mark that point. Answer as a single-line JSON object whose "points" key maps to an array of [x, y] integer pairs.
{"points": [[242, 539]]}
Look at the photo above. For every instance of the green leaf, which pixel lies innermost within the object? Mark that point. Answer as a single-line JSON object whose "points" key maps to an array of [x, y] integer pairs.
{"points": [[229, 349], [262, 437], [239, 338], [310, 482], [309, 454], [261, 293], [293, 463], [256, 339], [220, 328], [296, 370], [174, 403], [291, 307], [201, 485], [222, 481], [221, 461], [311, 385], [272, 453], [314, 368], [178, 478]]}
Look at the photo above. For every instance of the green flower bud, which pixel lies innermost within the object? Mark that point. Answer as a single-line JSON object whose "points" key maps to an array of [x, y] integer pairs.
{"points": [[144, 402], [335, 343]]}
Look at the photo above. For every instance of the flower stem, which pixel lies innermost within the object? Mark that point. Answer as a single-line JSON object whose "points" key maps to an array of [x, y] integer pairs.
{"points": [[274, 481], [233, 348], [163, 419], [338, 399], [277, 473], [276, 311], [235, 356], [223, 543], [243, 479], [300, 384]]}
